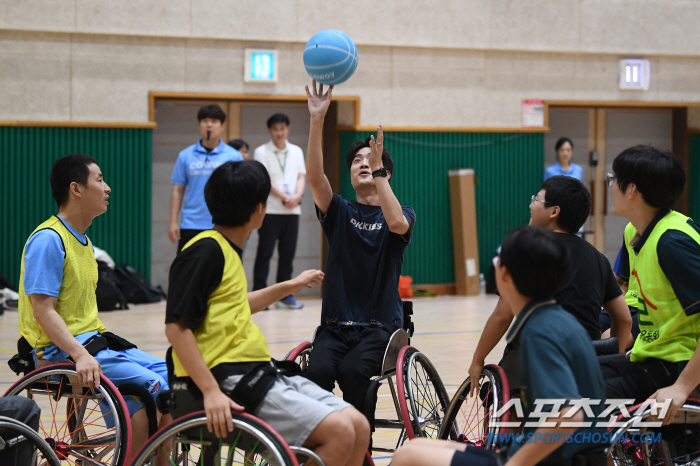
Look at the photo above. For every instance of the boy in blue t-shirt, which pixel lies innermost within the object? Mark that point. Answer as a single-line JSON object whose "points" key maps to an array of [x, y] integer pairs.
{"points": [[557, 362], [361, 303], [192, 170]]}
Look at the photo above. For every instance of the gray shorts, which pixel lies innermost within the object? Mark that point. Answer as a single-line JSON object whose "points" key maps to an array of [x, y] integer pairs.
{"points": [[294, 406]]}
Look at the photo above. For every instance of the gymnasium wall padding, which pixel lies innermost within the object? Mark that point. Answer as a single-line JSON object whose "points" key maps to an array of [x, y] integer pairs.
{"points": [[124, 156], [508, 168], [694, 176]]}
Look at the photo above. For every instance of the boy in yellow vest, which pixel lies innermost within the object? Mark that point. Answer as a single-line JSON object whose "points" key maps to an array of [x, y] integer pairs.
{"points": [[664, 258], [57, 303], [215, 343]]}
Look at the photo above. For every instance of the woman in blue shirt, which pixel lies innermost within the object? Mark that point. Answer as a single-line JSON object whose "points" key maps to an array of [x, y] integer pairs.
{"points": [[565, 151]]}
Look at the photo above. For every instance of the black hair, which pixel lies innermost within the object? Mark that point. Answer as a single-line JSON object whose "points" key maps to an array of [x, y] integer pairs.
{"points": [[234, 191], [537, 259], [238, 143], [355, 147], [658, 174], [561, 142], [573, 199], [278, 118], [66, 170], [211, 111]]}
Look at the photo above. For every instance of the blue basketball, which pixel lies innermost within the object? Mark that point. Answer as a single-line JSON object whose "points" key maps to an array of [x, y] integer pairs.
{"points": [[330, 57]]}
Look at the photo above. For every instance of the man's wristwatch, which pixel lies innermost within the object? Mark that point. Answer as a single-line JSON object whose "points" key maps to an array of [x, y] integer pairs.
{"points": [[380, 172]]}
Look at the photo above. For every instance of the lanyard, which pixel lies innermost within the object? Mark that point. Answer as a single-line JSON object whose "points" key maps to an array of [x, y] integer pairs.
{"points": [[282, 167]]}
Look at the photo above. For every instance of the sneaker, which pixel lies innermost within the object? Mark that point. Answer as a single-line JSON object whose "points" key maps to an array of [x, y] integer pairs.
{"points": [[288, 303]]}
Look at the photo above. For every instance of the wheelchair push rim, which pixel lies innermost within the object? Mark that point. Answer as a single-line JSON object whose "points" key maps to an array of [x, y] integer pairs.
{"points": [[468, 419], [251, 443], [78, 430], [423, 399], [42, 453], [679, 442]]}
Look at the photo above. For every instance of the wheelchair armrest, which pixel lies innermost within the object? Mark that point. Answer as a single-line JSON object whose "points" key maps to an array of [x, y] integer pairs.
{"points": [[606, 346]]}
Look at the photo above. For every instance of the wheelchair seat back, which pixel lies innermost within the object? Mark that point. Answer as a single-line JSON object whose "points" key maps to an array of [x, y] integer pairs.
{"points": [[398, 340]]}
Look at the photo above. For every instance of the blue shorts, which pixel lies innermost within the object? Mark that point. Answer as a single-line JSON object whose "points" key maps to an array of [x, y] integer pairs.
{"points": [[131, 366]]}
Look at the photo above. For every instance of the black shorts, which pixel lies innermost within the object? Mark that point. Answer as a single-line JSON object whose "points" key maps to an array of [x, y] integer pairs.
{"points": [[474, 456]]}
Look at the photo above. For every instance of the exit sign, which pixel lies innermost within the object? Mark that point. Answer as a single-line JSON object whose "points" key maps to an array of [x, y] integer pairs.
{"points": [[261, 66], [634, 74]]}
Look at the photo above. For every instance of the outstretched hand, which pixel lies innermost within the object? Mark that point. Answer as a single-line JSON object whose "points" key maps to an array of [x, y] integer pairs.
{"points": [[377, 147], [318, 101], [307, 279]]}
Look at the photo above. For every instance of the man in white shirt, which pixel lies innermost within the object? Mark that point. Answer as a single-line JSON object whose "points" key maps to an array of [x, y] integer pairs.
{"points": [[286, 166]]}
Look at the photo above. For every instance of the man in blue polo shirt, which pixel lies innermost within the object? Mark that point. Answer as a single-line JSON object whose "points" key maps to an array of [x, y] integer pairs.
{"points": [[193, 168]]}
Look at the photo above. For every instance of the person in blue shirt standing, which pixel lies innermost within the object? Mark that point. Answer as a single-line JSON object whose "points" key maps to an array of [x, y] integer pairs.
{"points": [[565, 151], [193, 168]]}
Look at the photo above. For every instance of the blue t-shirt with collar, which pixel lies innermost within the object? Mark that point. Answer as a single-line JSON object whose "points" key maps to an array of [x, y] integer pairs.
{"points": [[557, 361], [44, 256], [193, 168], [364, 263], [575, 171]]}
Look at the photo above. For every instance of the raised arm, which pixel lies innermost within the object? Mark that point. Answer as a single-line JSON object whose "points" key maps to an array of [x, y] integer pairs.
{"points": [[391, 208], [320, 186]]}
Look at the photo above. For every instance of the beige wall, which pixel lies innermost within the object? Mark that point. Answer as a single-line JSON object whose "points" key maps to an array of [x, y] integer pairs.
{"points": [[423, 63]]}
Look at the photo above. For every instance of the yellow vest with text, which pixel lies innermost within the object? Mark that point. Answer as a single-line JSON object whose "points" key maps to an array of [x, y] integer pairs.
{"points": [[227, 334], [666, 332], [76, 302]]}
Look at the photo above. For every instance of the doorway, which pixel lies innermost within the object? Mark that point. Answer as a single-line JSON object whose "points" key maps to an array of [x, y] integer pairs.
{"points": [[601, 133], [177, 128]]}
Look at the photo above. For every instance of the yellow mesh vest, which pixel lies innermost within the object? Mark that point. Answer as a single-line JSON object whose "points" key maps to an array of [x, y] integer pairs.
{"points": [[76, 303], [666, 332], [227, 333]]}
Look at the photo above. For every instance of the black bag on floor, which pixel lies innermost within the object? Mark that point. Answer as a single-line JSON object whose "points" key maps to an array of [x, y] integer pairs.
{"points": [[136, 288], [109, 295]]}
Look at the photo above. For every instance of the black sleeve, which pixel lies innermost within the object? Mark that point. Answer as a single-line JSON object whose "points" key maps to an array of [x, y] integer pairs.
{"points": [[328, 220], [679, 256], [623, 268], [194, 274], [410, 215], [612, 288]]}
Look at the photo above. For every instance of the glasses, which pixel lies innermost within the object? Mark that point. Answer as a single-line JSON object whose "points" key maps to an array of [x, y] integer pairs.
{"points": [[534, 199], [610, 179]]}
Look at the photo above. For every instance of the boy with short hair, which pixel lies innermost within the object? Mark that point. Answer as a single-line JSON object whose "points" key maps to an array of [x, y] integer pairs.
{"points": [[192, 170], [556, 358], [663, 248], [57, 303], [562, 206], [208, 323]]}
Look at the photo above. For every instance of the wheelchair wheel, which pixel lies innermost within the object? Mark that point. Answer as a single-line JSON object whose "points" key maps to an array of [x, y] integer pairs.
{"points": [[14, 434], [85, 425], [423, 399], [675, 444], [468, 419], [251, 443], [300, 355]]}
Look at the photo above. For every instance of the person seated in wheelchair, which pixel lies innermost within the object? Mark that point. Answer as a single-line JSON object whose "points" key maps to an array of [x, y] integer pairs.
{"points": [[556, 359], [27, 412], [562, 205], [218, 347], [663, 256], [57, 303], [367, 239]]}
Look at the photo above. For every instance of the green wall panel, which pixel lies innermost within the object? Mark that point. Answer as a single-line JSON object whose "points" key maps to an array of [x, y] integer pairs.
{"points": [[124, 155], [508, 167], [694, 177]]}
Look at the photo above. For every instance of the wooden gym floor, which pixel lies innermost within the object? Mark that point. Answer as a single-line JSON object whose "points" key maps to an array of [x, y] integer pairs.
{"points": [[447, 331]]}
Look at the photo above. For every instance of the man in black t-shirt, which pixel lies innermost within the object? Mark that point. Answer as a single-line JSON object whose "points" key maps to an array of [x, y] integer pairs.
{"points": [[367, 239], [562, 205]]}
